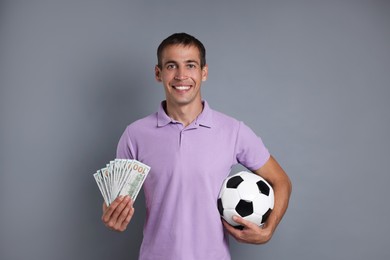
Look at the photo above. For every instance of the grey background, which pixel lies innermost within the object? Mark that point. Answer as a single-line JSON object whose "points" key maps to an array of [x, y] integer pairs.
{"points": [[310, 77]]}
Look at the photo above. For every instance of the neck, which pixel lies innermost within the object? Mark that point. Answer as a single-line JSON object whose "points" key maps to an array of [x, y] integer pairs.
{"points": [[184, 114]]}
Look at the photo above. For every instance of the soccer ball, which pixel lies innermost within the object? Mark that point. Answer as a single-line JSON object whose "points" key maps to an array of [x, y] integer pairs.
{"points": [[247, 195]]}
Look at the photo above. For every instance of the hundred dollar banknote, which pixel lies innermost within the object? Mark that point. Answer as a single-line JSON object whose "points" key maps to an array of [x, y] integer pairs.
{"points": [[121, 177]]}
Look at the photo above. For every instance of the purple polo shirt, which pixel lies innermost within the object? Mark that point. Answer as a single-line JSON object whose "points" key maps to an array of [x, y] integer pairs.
{"points": [[188, 166]]}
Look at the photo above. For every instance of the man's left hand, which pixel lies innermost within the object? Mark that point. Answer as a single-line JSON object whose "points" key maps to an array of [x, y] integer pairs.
{"points": [[251, 233]]}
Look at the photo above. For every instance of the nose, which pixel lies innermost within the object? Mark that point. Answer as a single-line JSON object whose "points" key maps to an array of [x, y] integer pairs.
{"points": [[180, 74]]}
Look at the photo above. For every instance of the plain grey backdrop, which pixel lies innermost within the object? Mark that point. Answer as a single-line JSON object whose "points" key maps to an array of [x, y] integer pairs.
{"points": [[310, 77]]}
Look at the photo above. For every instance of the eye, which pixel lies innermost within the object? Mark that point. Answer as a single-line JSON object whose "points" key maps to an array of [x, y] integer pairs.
{"points": [[191, 66], [171, 66]]}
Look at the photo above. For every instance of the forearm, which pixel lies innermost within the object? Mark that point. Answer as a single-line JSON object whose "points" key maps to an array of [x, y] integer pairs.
{"points": [[282, 192], [282, 187]]}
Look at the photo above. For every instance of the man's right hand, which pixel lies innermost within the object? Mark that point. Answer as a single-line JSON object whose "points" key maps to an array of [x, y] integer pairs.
{"points": [[118, 215]]}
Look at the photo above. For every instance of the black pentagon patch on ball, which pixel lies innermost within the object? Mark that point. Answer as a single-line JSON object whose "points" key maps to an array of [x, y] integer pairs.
{"points": [[265, 216], [233, 182], [220, 206], [244, 208], [263, 187]]}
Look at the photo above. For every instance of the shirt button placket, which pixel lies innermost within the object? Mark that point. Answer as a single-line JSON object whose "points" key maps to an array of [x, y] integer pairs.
{"points": [[181, 137]]}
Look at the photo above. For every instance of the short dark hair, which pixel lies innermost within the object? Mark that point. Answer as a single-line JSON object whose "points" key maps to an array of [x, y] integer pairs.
{"points": [[185, 40]]}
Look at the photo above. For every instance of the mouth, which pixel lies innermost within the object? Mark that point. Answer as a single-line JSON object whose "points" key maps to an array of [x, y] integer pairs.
{"points": [[182, 87]]}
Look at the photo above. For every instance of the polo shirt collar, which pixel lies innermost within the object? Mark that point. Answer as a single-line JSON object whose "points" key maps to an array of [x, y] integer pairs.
{"points": [[204, 119]]}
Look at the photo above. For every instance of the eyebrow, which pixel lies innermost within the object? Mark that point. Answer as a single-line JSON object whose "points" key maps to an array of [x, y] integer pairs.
{"points": [[186, 62], [192, 61]]}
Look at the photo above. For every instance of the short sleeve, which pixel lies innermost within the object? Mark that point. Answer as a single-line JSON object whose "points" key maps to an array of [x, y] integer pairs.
{"points": [[250, 149], [123, 150]]}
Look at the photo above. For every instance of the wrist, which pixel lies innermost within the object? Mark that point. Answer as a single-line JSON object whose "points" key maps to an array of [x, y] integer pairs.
{"points": [[266, 235]]}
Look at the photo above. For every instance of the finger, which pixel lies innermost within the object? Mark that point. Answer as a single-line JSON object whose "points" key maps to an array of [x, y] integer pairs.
{"points": [[231, 229], [225, 223], [234, 232], [243, 222], [124, 214], [127, 219], [227, 226], [118, 210], [104, 207], [108, 209], [107, 214]]}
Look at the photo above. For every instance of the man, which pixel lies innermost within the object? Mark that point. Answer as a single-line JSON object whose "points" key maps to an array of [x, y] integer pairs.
{"points": [[191, 149]]}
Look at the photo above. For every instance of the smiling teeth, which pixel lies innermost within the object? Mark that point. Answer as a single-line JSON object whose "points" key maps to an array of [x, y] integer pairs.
{"points": [[182, 87]]}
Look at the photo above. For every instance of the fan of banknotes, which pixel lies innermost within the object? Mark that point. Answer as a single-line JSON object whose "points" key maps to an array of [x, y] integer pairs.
{"points": [[121, 177]]}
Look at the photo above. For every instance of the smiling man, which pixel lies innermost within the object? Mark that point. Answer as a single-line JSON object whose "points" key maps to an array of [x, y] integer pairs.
{"points": [[191, 150], [181, 69]]}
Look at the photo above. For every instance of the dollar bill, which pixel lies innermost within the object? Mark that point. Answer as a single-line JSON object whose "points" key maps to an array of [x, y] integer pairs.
{"points": [[121, 177], [135, 179], [100, 184]]}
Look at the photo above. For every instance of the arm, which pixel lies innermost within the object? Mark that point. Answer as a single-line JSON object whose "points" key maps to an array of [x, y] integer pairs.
{"points": [[281, 184], [118, 215]]}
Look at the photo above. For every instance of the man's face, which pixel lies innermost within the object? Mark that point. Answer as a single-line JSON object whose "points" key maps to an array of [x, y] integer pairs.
{"points": [[181, 74]]}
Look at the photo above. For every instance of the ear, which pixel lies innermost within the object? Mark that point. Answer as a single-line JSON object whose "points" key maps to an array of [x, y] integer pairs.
{"points": [[157, 73], [205, 72]]}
